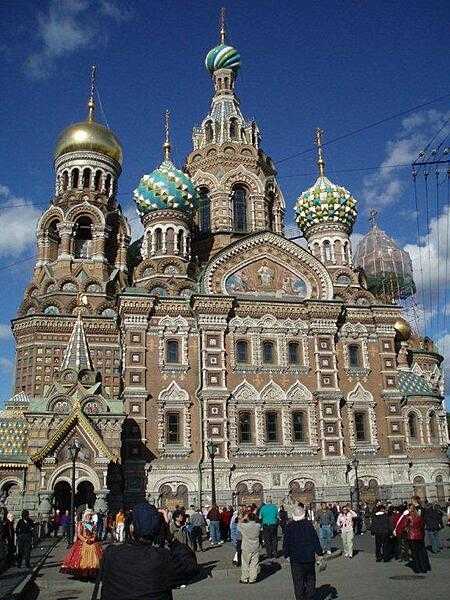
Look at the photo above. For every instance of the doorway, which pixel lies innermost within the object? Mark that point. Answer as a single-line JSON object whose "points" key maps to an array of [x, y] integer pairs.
{"points": [[84, 496], [62, 495]]}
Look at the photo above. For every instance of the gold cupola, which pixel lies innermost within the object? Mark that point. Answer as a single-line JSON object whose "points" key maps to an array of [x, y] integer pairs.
{"points": [[89, 135]]}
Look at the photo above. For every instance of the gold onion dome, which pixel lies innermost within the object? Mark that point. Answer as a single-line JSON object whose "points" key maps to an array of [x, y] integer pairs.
{"points": [[403, 329], [89, 135]]}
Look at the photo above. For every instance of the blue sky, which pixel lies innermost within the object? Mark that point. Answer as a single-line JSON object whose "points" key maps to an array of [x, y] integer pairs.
{"points": [[340, 65]]}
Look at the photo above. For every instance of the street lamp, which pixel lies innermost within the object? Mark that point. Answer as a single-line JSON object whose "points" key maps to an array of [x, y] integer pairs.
{"points": [[355, 463], [74, 450], [212, 451]]}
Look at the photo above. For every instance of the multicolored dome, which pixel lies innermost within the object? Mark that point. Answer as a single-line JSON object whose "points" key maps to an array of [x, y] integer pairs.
{"points": [[223, 57], [325, 202], [166, 187]]}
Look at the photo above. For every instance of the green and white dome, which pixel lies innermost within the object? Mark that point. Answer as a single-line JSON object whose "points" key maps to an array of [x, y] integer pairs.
{"points": [[166, 187], [325, 202], [223, 57]]}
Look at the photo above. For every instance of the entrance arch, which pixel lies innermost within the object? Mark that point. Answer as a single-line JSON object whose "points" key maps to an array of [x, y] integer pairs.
{"points": [[62, 491], [440, 490], [85, 495], [369, 493], [305, 494], [248, 493], [172, 499], [419, 487]]}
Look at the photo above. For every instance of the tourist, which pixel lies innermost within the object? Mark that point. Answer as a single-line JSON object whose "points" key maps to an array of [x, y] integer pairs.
{"points": [[236, 537], [177, 528], [225, 518], [326, 521], [249, 530], [432, 516], [65, 526], [345, 524], [197, 523], [24, 539], [381, 528], [7, 534], [301, 545], [413, 523], [268, 516], [214, 525], [120, 526], [84, 557], [283, 518], [394, 542]]}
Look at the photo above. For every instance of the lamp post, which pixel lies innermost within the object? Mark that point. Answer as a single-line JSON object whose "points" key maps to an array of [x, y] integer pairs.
{"points": [[355, 463], [212, 450], [74, 450]]}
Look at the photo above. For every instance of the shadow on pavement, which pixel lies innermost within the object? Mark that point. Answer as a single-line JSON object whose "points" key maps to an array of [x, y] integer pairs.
{"points": [[268, 569], [325, 592]]}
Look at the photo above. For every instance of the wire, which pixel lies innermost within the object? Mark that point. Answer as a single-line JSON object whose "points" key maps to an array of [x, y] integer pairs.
{"points": [[101, 107], [419, 247], [447, 309], [438, 252], [18, 262]]}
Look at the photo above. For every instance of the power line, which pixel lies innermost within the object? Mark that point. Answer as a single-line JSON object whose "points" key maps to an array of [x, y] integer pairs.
{"points": [[18, 262]]}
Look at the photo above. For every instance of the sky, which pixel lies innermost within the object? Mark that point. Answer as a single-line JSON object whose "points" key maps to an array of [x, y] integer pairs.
{"points": [[341, 65]]}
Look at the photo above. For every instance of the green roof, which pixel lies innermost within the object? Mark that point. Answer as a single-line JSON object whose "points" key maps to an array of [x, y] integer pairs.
{"points": [[412, 384]]}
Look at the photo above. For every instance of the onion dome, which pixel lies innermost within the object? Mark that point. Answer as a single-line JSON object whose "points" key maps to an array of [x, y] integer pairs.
{"points": [[166, 186], [223, 57], [89, 135]]}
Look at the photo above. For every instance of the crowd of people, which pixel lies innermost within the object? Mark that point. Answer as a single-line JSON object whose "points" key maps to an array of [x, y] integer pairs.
{"points": [[401, 532]]}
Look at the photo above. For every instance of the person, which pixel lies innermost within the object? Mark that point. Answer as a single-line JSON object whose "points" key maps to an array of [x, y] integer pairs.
{"points": [[7, 534], [432, 516], [197, 522], [394, 542], [250, 531], [283, 518], [236, 537], [24, 539], [65, 526], [268, 515], [214, 525], [100, 525], [326, 521], [138, 569], [225, 518], [413, 523], [120, 526], [345, 523], [301, 545], [381, 528], [177, 527], [84, 557]]}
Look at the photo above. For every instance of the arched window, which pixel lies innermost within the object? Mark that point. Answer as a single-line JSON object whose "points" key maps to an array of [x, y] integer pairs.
{"points": [[86, 179], [271, 427], [245, 427], [209, 132], [75, 175], [108, 185], [268, 352], [298, 427], [172, 352], [97, 180], [204, 211], [180, 242], [241, 351], [53, 240], [433, 425], [234, 129], [83, 238], [239, 197], [354, 356], [293, 353], [360, 426], [412, 425], [158, 240], [327, 250], [65, 181], [271, 212], [170, 241]]}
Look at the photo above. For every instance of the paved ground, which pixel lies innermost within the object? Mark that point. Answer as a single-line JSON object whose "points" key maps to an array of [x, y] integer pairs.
{"points": [[359, 578]]}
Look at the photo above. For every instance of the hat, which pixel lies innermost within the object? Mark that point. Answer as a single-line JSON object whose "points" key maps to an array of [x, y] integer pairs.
{"points": [[146, 520], [298, 513]]}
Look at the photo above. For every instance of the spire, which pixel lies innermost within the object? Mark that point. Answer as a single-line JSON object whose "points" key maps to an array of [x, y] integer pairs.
{"points": [[320, 159], [373, 217], [166, 145], [77, 355], [91, 101], [222, 25]]}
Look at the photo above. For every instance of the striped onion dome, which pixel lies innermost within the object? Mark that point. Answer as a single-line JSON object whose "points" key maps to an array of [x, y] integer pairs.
{"points": [[166, 187], [325, 202], [223, 57]]}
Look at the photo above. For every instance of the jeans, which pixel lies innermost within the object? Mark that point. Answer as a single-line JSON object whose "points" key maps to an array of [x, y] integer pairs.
{"points": [[304, 579], [270, 536], [214, 531], [196, 537], [435, 542], [381, 547], [326, 535]]}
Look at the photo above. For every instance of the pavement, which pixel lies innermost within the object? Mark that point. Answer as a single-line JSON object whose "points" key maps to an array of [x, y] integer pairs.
{"points": [[360, 577]]}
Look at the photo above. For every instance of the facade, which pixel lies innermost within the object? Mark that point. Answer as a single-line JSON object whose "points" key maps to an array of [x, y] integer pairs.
{"points": [[213, 326]]}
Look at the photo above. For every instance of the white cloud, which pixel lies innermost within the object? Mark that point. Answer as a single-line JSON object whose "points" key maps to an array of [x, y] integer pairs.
{"points": [[5, 331], [6, 364], [116, 12], [387, 185], [18, 219], [443, 343]]}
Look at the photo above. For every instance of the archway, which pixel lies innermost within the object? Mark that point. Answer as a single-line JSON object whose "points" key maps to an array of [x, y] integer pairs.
{"points": [[172, 500], [246, 496], [61, 498], [305, 494], [370, 493], [440, 490], [420, 488], [85, 496], [10, 494]]}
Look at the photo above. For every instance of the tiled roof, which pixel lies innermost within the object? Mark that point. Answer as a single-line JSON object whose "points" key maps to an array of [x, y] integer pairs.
{"points": [[77, 356], [412, 384], [13, 437]]}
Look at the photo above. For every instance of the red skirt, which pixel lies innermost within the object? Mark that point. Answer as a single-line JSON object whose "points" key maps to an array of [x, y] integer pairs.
{"points": [[83, 559]]}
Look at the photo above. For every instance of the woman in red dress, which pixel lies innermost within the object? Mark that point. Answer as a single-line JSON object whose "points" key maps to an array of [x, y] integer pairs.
{"points": [[84, 557]]}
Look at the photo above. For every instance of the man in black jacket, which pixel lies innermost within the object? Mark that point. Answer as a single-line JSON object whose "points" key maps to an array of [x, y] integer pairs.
{"points": [[24, 537], [382, 529], [300, 545], [432, 515]]}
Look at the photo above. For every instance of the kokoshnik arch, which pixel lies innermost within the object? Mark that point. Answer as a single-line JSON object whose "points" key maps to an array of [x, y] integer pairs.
{"points": [[213, 326]]}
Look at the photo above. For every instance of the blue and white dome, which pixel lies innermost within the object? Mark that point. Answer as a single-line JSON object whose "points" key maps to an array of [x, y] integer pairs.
{"points": [[223, 57], [166, 187]]}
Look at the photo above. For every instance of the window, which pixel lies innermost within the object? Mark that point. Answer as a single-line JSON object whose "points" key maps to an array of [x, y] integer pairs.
{"points": [[245, 428], [433, 425], [233, 128], [293, 353], [204, 211], [412, 425], [172, 428], [75, 177], [65, 181], [158, 240], [97, 180], [354, 356], [86, 178], [268, 352], [170, 240], [271, 427], [241, 351], [239, 197], [209, 132], [108, 185], [271, 212], [83, 238], [360, 426], [172, 352], [180, 242], [298, 427], [327, 250]]}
